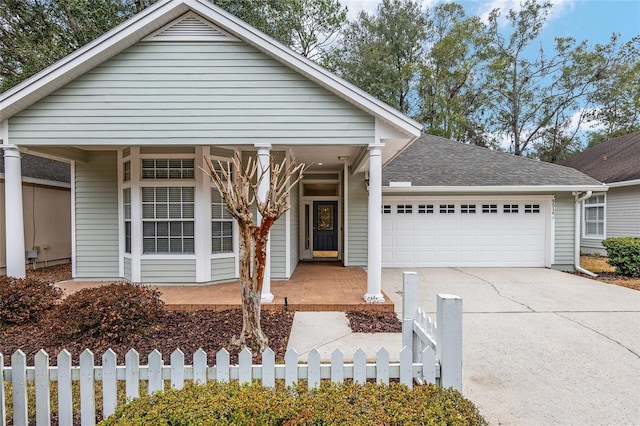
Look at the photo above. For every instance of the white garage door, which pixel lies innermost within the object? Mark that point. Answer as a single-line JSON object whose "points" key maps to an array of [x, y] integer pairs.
{"points": [[454, 232]]}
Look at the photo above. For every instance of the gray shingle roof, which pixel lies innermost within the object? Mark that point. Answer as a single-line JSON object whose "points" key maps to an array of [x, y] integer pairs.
{"points": [[616, 160], [43, 168], [435, 161]]}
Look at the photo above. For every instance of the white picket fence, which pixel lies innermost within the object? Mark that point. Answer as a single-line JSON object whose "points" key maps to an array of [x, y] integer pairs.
{"points": [[431, 354]]}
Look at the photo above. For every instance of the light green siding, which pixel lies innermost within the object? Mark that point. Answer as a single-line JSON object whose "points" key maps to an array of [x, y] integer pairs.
{"points": [[223, 269], [623, 211], [96, 217], [127, 268], [357, 220], [168, 93], [564, 233], [167, 271], [294, 228]]}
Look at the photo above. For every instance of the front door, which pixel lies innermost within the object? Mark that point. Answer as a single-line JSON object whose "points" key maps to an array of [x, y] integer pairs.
{"points": [[325, 229]]}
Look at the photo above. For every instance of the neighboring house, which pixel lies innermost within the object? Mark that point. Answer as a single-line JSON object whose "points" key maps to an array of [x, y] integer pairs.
{"points": [[615, 213], [136, 111], [46, 198]]}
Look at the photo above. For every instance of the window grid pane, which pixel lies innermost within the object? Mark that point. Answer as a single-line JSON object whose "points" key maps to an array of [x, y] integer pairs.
{"points": [[168, 219], [175, 168], [221, 224]]}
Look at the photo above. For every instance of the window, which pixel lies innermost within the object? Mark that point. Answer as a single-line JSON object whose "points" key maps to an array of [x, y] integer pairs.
{"points": [[468, 208], [593, 216], [168, 220], [221, 224], [425, 208], [126, 196], [386, 209], [168, 168], [447, 208], [489, 208], [532, 208], [405, 208], [510, 208], [126, 171]]}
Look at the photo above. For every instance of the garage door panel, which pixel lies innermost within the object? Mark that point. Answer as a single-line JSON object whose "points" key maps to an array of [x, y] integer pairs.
{"points": [[464, 239]]}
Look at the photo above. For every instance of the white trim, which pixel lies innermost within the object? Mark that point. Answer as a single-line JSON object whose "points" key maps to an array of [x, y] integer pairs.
{"points": [[287, 227], [583, 221], [202, 217], [345, 223], [552, 229], [169, 256], [494, 189], [73, 221], [136, 215], [208, 33], [623, 183]]}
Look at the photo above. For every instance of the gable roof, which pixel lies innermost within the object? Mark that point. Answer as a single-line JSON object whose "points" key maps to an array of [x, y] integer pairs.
{"points": [[616, 160], [158, 15], [438, 164], [40, 168]]}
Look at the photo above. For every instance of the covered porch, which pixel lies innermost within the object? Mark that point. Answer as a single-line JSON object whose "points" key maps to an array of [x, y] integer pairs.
{"points": [[314, 286]]}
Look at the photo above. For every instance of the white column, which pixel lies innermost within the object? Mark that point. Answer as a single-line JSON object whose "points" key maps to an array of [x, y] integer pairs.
{"points": [[374, 262], [14, 222], [136, 216], [202, 218], [264, 163]]}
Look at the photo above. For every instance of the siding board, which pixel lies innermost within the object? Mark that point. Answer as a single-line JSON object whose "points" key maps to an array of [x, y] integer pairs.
{"points": [[96, 227], [167, 271], [191, 92], [564, 232], [223, 269], [358, 221]]}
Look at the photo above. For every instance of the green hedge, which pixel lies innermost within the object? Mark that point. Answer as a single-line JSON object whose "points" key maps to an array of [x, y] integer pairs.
{"points": [[345, 403], [624, 255]]}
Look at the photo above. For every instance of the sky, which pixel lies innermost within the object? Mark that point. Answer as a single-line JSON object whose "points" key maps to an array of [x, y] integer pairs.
{"points": [[592, 20]]}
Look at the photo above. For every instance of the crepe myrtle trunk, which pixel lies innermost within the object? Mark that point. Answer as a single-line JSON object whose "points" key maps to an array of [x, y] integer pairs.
{"points": [[238, 185]]}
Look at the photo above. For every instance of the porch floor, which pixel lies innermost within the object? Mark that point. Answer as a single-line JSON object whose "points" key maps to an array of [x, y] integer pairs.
{"points": [[314, 286]]}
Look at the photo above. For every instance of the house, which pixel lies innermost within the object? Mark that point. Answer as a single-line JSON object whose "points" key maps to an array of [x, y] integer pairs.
{"points": [[615, 213], [46, 190], [138, 109]]}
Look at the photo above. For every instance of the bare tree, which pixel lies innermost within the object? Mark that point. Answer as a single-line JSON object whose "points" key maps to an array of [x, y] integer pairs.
{"points": [[240, 196]]}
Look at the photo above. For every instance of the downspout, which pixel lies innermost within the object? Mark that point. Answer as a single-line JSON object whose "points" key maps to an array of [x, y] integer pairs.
{"points": [[577, 232]]}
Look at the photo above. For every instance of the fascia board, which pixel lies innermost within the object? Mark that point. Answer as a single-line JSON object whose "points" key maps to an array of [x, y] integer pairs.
{"points": [[623, 183], [494, 189]]}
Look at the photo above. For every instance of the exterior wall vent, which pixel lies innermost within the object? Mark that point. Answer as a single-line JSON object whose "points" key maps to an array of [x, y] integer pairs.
{"points": [[190, 27]]}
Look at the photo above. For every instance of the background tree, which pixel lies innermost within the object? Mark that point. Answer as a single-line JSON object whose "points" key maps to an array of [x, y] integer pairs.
{"points": [[314, 25], [450, 84], [241, 196], [381, 53]]}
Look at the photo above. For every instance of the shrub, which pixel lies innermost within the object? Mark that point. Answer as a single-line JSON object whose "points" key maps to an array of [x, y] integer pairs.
{"points": [[345, 403], [624, 255], [110, 312], [25, 300]]}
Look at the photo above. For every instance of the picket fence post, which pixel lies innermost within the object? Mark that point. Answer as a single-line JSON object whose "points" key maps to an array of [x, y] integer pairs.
{"points": [[19, 384], [449, 340]]}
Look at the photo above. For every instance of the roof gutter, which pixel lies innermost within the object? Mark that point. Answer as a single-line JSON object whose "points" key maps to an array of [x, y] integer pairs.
{"points": [[494, 189], [579, 199], [624, 183]]}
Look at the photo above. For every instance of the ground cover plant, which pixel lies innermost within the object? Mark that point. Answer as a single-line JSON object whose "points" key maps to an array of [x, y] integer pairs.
{"points": [[344, 403], [624, 255]]}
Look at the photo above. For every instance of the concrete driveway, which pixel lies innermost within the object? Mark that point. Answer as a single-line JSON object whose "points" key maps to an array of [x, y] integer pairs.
{"points": [[541, 347]]}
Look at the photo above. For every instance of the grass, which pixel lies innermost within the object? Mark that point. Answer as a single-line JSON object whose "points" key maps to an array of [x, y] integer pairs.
{"points": [[600, 265]]}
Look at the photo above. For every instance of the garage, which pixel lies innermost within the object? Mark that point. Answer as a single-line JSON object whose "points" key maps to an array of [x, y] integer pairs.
{"points": [[466, 231]]}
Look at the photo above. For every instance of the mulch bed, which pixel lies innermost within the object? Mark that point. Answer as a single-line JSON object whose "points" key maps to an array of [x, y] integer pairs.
{"points": [[374, 322], [187, 331], [613, 278]]}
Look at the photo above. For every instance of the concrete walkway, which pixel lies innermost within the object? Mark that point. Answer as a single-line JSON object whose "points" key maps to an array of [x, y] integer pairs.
{"points": [[541, 347]]}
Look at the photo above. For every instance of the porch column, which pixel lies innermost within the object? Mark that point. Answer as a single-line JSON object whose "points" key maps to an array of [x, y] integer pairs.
{"points": [[14, 223], [264, 163], [374, 261]]}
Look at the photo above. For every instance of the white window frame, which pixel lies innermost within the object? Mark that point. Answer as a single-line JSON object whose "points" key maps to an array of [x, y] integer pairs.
{"points": [[169, 220], [235, 231], [585, 206]]}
